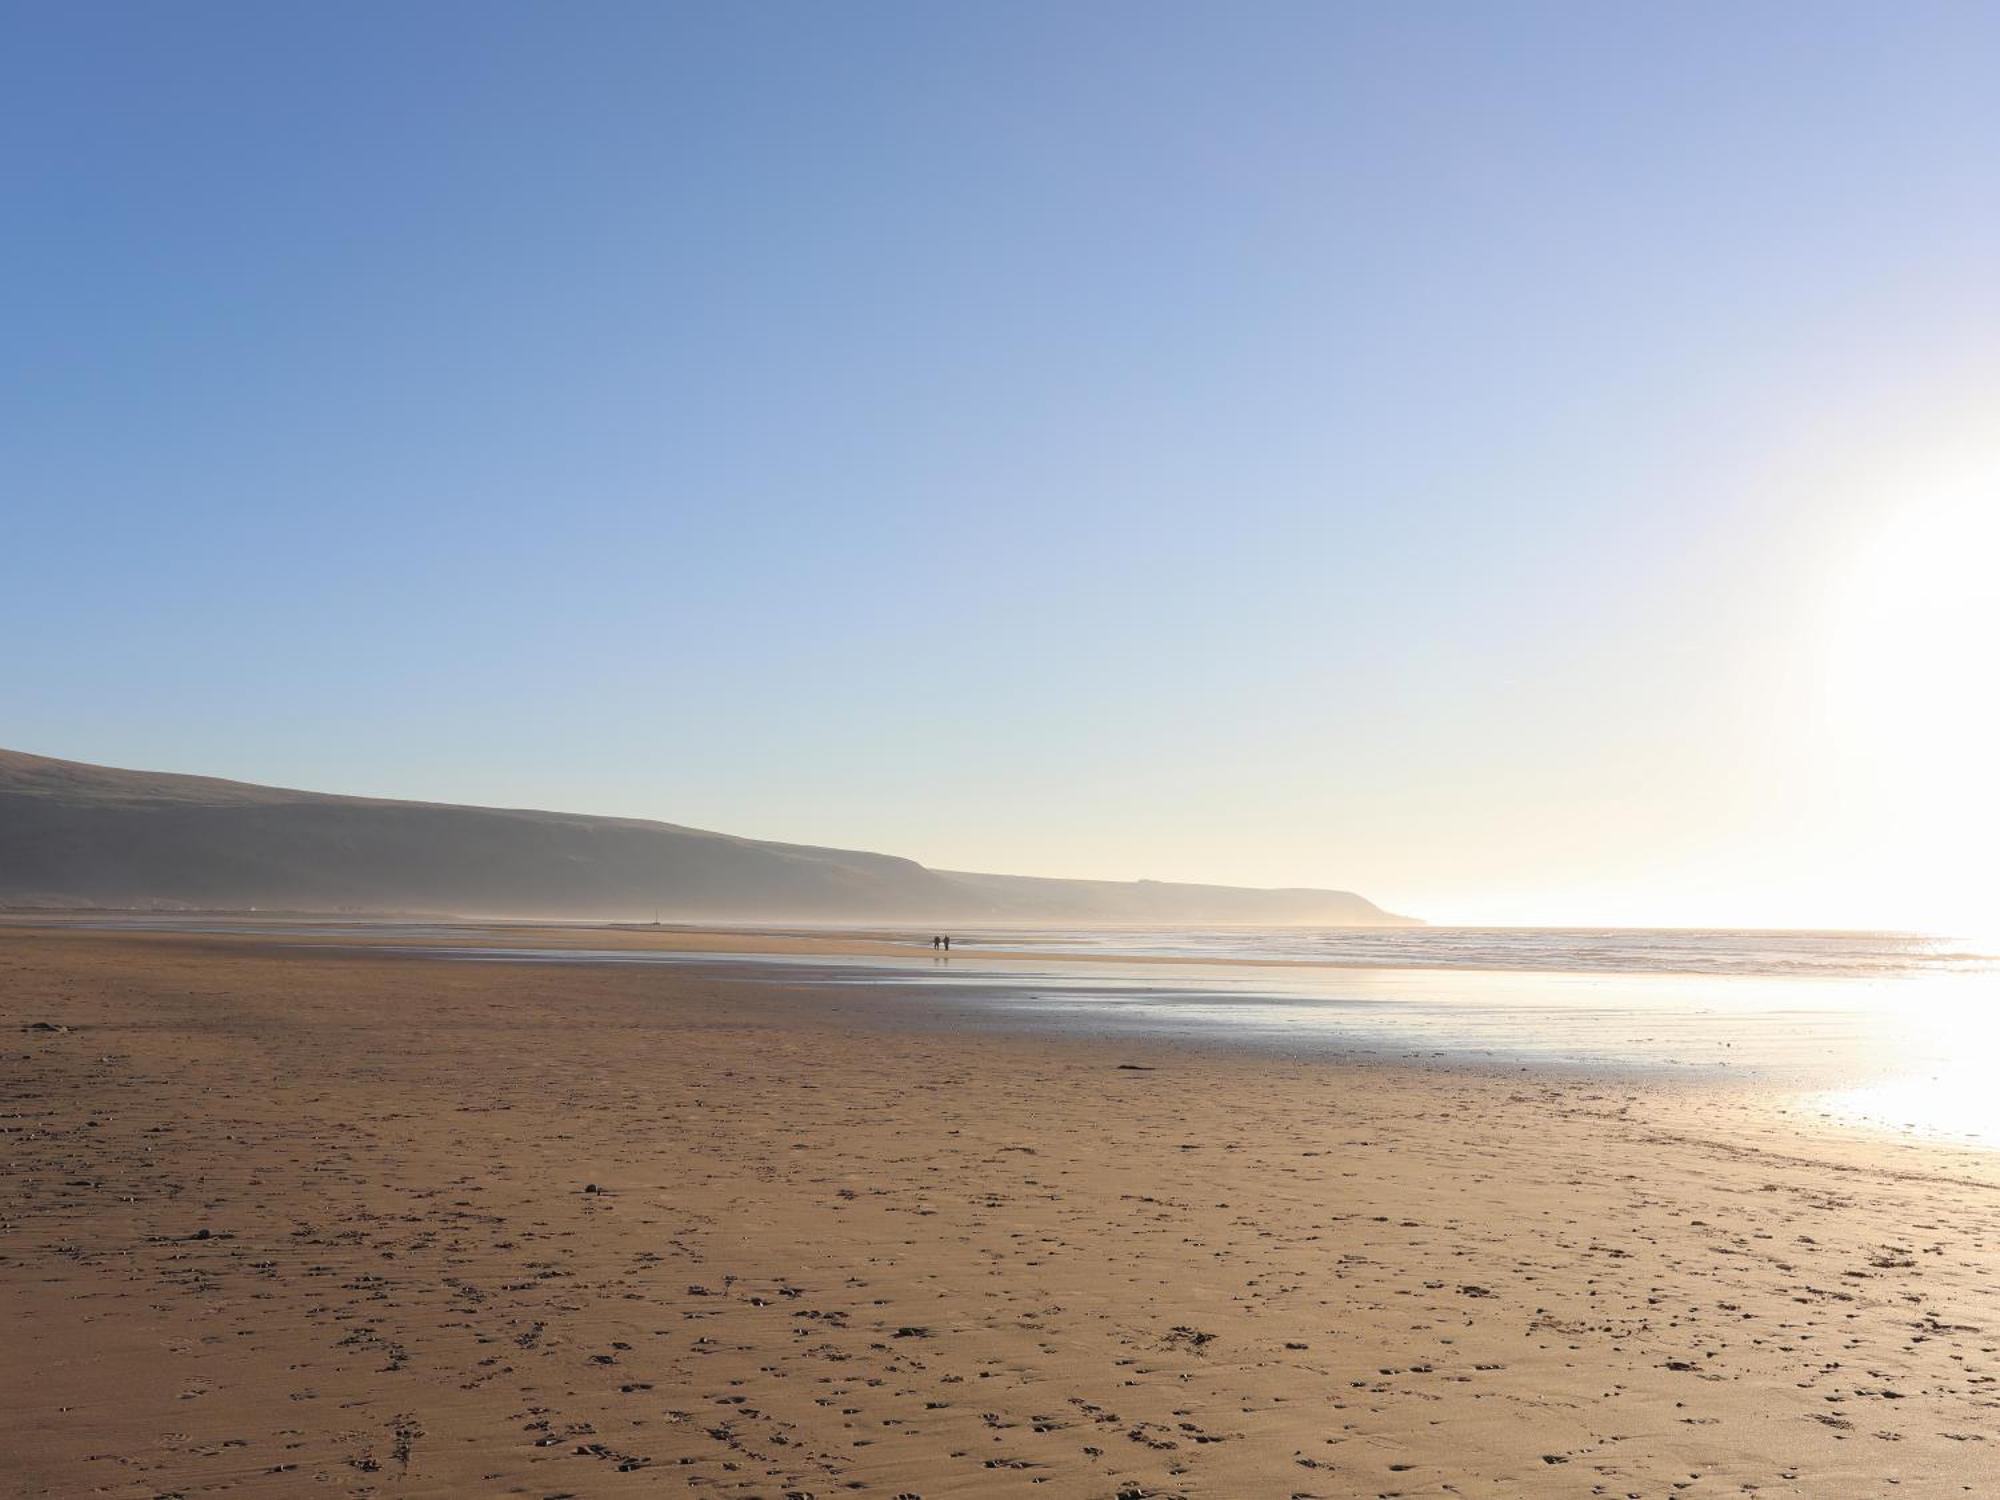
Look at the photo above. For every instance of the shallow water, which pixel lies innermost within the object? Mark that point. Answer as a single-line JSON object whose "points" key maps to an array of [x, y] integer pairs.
{"points": [[1624, 950], [1893, 1029], [1913, 1049]]}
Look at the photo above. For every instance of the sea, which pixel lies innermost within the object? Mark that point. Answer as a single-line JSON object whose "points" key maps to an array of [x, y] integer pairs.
{"points": [[1889, 1029]]}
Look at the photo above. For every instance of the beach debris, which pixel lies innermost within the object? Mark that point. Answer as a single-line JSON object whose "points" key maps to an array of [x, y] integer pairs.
{"points": [[51, 1027], [1137, 1068], [625, 1463], [407, 1430]]}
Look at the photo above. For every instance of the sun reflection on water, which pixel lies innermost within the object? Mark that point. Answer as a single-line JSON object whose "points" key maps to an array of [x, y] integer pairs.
{"points": [[1935, 1062]]}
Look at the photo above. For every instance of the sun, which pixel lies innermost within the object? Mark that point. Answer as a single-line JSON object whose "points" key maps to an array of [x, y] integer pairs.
{"points": [[1914, 710]]}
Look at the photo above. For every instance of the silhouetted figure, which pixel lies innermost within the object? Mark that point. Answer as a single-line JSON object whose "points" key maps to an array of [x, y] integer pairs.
{"points": [[937, 942], [947, 942]]}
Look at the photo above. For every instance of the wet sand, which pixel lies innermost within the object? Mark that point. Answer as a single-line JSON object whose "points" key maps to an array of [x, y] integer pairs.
{"points": [[274, 1221]]}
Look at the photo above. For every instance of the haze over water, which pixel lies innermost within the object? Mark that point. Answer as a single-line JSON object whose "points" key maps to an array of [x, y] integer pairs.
{"points": [[1588, 949]]}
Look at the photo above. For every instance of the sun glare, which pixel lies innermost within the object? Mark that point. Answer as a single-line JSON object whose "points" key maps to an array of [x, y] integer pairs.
{"points": [[1915, 719]]}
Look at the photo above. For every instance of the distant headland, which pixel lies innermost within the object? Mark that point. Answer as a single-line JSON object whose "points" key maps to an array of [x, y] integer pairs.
{"points": [[77, 835]]}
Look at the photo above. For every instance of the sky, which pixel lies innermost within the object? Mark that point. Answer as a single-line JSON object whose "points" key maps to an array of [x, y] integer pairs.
{"points": [[1526, 463]]}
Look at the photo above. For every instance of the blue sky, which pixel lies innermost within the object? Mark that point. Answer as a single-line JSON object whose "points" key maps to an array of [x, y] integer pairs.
{"points": [[1408, 448]]}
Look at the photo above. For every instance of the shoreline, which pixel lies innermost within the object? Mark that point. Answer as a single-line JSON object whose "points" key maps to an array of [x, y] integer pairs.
{"points": [[1060, 993], [873, 940]]}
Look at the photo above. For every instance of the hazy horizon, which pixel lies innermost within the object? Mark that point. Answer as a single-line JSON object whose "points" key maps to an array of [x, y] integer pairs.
{"points": [[1525, 465], [762, 917]]}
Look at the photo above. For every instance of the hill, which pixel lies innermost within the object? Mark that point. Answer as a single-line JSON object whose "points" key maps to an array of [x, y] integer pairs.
{"points": [[95, 836]]}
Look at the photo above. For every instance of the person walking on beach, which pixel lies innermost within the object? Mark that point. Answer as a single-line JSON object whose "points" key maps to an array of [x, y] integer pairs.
{"points": [[947, 942]]}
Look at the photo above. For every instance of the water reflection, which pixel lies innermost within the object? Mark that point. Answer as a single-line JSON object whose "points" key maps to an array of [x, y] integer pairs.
{"points": [[1909, 1050], [1895, 1029]]}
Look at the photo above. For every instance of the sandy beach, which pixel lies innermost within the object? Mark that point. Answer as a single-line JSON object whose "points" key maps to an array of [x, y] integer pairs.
{"points": [[276, 1221]]}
